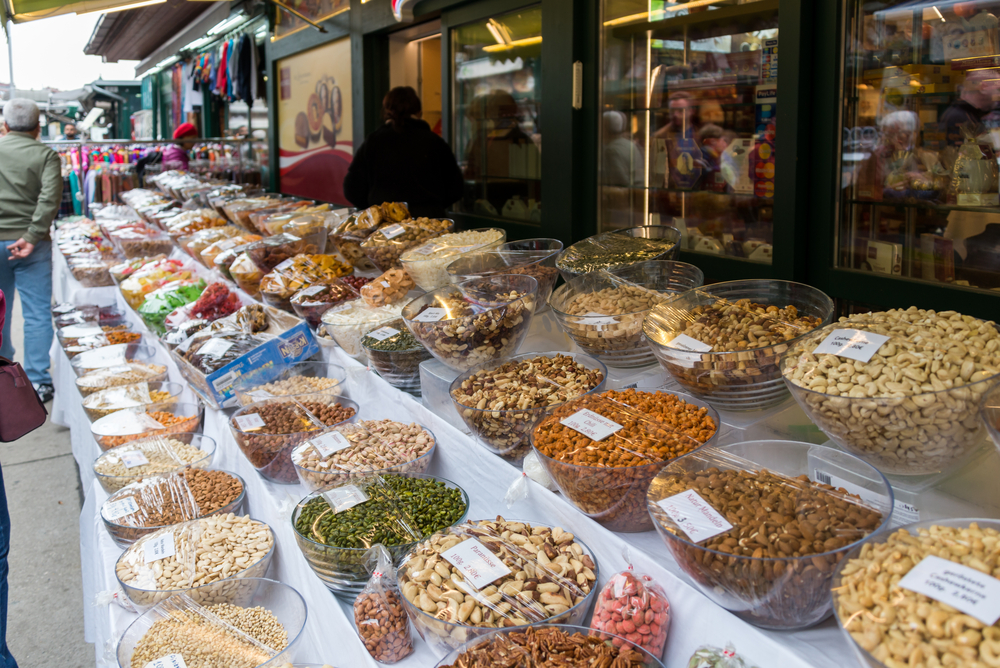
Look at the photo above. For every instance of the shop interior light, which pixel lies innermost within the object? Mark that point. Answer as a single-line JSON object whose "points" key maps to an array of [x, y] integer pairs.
{"points": [[631, 18], [933, 13], [527, 41], [499, 32], [222, 26], [693, 3], [198, 43], [110, 10]]}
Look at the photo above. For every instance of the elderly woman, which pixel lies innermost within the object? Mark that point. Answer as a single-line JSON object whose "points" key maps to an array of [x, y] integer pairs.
{"points": [[899, 167]]}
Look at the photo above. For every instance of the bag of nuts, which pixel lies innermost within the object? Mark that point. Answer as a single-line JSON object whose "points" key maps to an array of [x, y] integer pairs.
{"points": [[633, 606], [378, 612], [389, 288]]}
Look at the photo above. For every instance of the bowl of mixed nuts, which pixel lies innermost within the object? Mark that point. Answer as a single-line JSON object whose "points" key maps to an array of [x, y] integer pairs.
{"points": [[532, 257], [723, 342], [292, 380], [502, 401], [759, 530]]}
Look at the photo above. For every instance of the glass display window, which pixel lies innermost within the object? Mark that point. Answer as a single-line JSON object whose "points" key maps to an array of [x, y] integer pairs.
{"points": [[689, 120], [920, 139]]}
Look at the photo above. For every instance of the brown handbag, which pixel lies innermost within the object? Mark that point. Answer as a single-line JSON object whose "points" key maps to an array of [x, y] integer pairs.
{"points": [[21, 410]]}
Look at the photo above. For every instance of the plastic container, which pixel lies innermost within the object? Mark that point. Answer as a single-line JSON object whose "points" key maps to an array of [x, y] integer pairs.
{"points": [[122, 427], [126, 530], [310, 227], [648, 660], [507, 432], [615, 496], [533, 257], [126, 374], [441, 634], [743, 380], [131, 397], [342, 569], [618, 249], [325, 472], [270, 453], [782, 593], [479, 321], [157, 454], [399, 368], [111, 356], [286, 604], [593, 324], [323, 379], [349, 322], [427, 264], [917, 635]]}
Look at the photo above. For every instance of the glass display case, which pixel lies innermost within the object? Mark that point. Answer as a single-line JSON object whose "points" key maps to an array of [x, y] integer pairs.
{"points": [[920, 139], [689, 121]]}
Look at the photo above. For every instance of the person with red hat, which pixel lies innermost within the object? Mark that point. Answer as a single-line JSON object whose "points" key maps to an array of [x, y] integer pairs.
{"points": [[175, 156]]}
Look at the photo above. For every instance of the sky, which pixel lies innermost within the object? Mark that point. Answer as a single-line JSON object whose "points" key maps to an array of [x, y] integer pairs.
{"points": [[49, 52]]}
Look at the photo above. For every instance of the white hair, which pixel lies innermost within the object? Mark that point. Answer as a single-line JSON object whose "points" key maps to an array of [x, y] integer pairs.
{"points": [[900, 120], [21, 115]]}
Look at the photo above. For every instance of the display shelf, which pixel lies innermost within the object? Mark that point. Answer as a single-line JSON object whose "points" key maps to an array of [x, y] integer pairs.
{"points": [[917, 204], [723, 17]]}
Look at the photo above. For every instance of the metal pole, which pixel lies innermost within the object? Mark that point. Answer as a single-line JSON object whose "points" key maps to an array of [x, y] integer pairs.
{"points": [[10, 56]]}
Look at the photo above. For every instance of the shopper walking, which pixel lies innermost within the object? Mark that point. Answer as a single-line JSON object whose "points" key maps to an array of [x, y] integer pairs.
{"points": [[30, 194], [404, 161], [6, 660]]}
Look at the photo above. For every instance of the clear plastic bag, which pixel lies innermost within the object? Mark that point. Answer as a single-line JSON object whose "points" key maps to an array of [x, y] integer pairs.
{"points": [[379, 616], [389, 288], [708, 656], [140, 503], [269, 253], [632, 605], [126, 373], [246, 273], [385, 246], [614, 249]]}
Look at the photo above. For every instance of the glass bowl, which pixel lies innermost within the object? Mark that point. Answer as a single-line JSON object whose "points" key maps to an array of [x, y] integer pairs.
{"points": [[773, 592], [847, 612], [312, 302], [69, 336], [318, 378], [669, 276], [124, 535], [507, 432], [608, 249], [122, 427], [270, 454], [584, 310], [479, 319], [648, 660], [427, 264], [125, 374], [130, 397], [110, 356], [615, 496], [743, 380], [533, 257], [249, 592], [444, 635], [153, 450], [399, 368], [314, 475], [348, 323], [991, 414], [904, 435], [342, 569]]}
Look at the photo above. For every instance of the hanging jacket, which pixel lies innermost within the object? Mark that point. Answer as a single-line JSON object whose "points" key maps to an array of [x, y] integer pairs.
{"points": [[245, 71], [220, 82]]}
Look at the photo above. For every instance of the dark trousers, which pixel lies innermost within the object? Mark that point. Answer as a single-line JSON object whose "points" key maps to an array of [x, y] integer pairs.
{"points": [[6, 660]]}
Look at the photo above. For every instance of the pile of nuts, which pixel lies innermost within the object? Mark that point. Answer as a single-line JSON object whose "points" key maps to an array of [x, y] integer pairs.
{"points": [[217, 547], [777, 520], [173, 424], [383, 626], [101, 379], [377, 445], [396, 358], [745, 325], [902, 628], [549, 647], [204, 643], [288, 387], [427, 264], [105, 402], [503, 403], [164, 455], [312, 302], [384, 252], [549, 574], [914, 406], [608, 322], [607, 479]]}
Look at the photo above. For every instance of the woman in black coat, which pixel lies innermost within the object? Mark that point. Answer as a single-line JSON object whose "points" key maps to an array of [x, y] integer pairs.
{"points": [[404, 161]]}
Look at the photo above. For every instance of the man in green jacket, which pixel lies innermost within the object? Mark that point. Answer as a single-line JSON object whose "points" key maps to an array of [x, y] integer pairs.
{"points": [[30, 194]]}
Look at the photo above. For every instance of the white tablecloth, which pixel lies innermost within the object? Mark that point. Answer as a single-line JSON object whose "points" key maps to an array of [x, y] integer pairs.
{"points": [[329, 635]]}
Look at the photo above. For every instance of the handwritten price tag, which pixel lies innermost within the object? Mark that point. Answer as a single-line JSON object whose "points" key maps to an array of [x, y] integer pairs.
{"points": [[966, 589], [249, 422], [590, 424], [329, 443], [168, 661], [479, 566], [685, 342], [344, 498], [430, 315], [694, 516], [120, 508], [383, 333], [851, 343], [133, 458], [160, 547], [392, 231], [215, 348]]}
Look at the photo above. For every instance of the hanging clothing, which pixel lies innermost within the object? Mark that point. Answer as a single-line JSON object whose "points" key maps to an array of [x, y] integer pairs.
{"points": [[234, 59], [220, 81], [192, 97], [245, 70], [254, 73]]}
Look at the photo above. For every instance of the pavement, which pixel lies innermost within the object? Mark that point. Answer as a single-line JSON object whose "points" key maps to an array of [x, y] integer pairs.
{"points": [[45, 600]]}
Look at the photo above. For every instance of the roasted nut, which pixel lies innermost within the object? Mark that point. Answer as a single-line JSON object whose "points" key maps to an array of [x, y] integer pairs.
{"points": [[383, 626]]}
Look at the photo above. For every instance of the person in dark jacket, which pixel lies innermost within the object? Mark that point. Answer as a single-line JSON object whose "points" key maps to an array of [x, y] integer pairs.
{"points": [[404, 161]]}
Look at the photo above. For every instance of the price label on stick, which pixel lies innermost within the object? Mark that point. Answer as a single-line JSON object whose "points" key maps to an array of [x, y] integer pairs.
{"points": [[392, 231], [120, 508], [594, 318], [250, 422], [215, 348], [973, 592], [329, 443], [383, 333], [133, 458], [158, 548], [430, 315], [479, 566], [685, 342], [341, 307], [694, 516], [312, 290], [103, 357], [344, 498], [851, 343], [590, 424]]}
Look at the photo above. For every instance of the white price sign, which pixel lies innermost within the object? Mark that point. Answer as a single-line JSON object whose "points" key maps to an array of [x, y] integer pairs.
{"points": [[594, 318], [215, 348], [590, 424], [312, 290], [479, 566], [158, 548], [851, 343], [329, 443], [685, 342], [285, 264], [133, 458], [383, 333], [120, 368], [249, 422], [973, 592], [694, 516], [430, 315], [168, 661], [103, 357], [344, 498], [80, 331], [120, 508], [385, 284], [392, 231]]}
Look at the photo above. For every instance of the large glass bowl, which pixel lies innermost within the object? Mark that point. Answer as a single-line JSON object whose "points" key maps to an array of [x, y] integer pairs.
{"points": [[71, 335], [102, 379], [668, 276], [913, 435], [648, 660], [399, 368], [771, 592], [270, 454], [148, 446], [118, 399], [108, 356], [615, 339], [847, 613], [615, 496], [608, 250], [315, 478], [427, 264], [991, 414], [507, 432], [533, 257], [342, 569], [125, 534], [119, 428], [215, 592], [742, 380], [444, 635], [282, 601], [251, 387], [349, 326], [490, 326]]}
